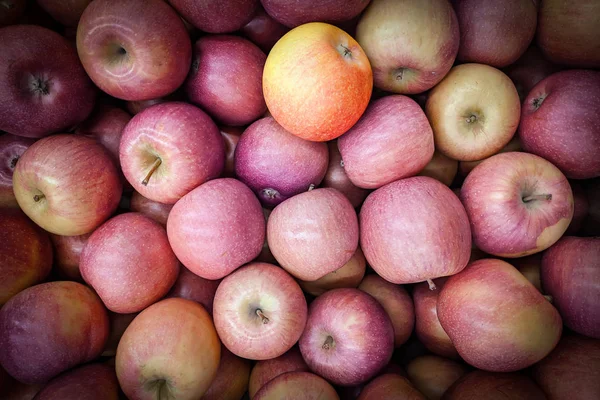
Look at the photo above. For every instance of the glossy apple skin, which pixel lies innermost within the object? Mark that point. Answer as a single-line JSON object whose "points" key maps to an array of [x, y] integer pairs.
{"points": [[10, 15], [560, 122], [322, 97], [570, 371], [170, 349], [433, 375], [159, 212], [467, 166], [276, 164], [313, 233], [11, 149], [192, 287], [266, 370], [295, 13], [89, 382], [432, 240], [389, 31], [43, 87], [503, 224], [442, 168], [297, 386], [581, 206], [216, 228], [570, 273], [263, 30], [25, 253], [67, 254], [498, 341], [348, 337], [67, 12], [134, 49], [76, 183], [392, 140], [37, 343], [494, 386], [530, 268], [232, 378], [396, 301], [390, 386], [336, 177], [127, 273], [216, 16], [528, 70], [231, 137], [578, 45]]}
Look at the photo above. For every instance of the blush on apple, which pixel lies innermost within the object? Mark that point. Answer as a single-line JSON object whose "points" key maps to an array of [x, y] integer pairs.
{"points": [[216, 16], [159, 212], [263, 30], [478, 385], [231, 381], [67, 254], [192, 287], [293, 14], [297, 386], [11, 149], [390, 386], [433, 375], [336, 177], [266, 370], [91, 381]]}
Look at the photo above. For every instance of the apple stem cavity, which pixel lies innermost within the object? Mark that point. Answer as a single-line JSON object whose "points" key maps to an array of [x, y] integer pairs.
{"points": [[38, 85], [270, 193], [432, 285], [155, 165], [13, 162], [328, 343], [537, 102], [535, 197], [345, 51], [38, 197], [263, 317]]}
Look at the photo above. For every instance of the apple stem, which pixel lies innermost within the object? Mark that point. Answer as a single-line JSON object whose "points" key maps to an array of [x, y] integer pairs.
{"points": [[328, 343], [431, 284], [549, 298], [38, 197], [537, 197], [264, 318], [155, 165], [311, 187]]}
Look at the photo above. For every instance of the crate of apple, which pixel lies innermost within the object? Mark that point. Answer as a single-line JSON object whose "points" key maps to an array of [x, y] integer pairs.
{"points": [[285, 199]]}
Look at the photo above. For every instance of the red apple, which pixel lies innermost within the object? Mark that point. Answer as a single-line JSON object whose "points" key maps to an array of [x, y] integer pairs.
{"points": [[266, 370], [494, 386], [11, 149], [169, 149], [232, 378], [348, 337], [50, 328], [118, 326], [581, 207], [518, 204], [263, 30], [106, 125], [336, 177], [530, 268], [265, 254], [313, 233], [500, 341], [216, 16], [192, 287], [90, 382], [231, 137], [277, 165], [433, 375], [295, 13], [67, 253], [414, 230], [560, 122], [129, 262], [150, 208], [528, 70], [390, 386], [11, 11], [67, 184], [170, 350], [43, 88], [468, 166], [134, 49], [297, 386], [67, 12], [392, 140], [317, 81], [136, 107], [411, 44], [216, 228], [441, 168]]}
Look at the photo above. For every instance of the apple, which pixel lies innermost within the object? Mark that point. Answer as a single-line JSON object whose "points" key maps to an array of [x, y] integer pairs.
{"points": [[169, 149], [297, 386], [136, 107], [170, 350], [411, 44], [277, 165], [265, 253], [129, 263], [11, 11], [414, 230], [396, 302], [134, 49], [106, 125], [263, 30], [67, 12], [231, 137], [570, 273], [43, 88], [67, 184], [22, 391], [349, 275], [467, 166], [349, 337], [216, 16], [317, 81], [494, 386], [567, 32], [192, 287], [232, 378], [313, 233], [390, 386], [518, 204], [91, 381], [118, 325], [530, 268], [150, 208], [528, 70], [433, 375], [11, 149], [442, 168], [392, 140], [560, 122], [336, 177], [570, 371], [216, 228], [500, 341], [474, 112], [482, 24], [37, 342], [293, 14], [581, 207], [67, 254], [266, 370]]}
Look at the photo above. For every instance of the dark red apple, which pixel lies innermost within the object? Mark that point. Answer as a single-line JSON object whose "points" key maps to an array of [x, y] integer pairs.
{"points": [[11, 11], [528, 70], [232, 378], [390, 386], [266, 370], [530, 267], [67, 253], [11, 149], [263, 30], [106, 125], [297, 12], [581, 207], [192, 287], [231, 137], [118, 326], [216, 16], [591, 224], [494, 386], [22, 391], [336, 177], [297, 386], [67, 12], [433, 375], [90, 382], [150, 208]]}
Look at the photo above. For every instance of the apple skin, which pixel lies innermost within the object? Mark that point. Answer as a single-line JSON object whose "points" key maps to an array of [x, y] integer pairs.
{"points": [[498, 341], [567, 32], [348, 337], [11, 149], [126, 272], [322, 97], [432, 240], [484, 23], [266, 370], [118, 326], [581, 206], [263, 30], [134, 49], [159, 212], [106, 125], [296, 13], [433, 375], [390, 386], [297, 386], [11, 14], [232, 378], [406, 57], [336, 177], [442, 168], [37, 343], [494, 386], [569, 372], [43, 87], [185, 141], [231, 137], [67, 12], [570, 273], [502, 223], [396, 301], [216, 16], [170, 350], [392, 140], [74, 180], [313, 233], [530, 268], [474, 112], [467, 166], [276, 164], [67, 255], [528, 70], [216, 228], [265, 254], [25, 253], [89, 382], [192, 287], [560, 122], [591, 224]]}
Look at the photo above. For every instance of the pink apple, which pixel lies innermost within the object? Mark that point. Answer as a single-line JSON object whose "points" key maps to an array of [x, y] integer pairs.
{"points": [[392, 386], [67, 254], [263, 30], [150, 208], [266, 370], [528, 70], [92, 381], [433, 375], [297, 386], [231, 137], [296, 13], [192, 287], [442, 168], [336, 177], [11, 11], [216, 16], [11, 149], [232, 378], [67, 12]]}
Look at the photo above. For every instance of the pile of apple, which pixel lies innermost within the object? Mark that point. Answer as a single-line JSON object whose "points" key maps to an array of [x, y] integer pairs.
{"points": [[299, 199]]}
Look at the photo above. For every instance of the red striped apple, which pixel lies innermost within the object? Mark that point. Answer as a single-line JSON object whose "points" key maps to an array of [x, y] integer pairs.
{"points": [[216, 16], [297, 386], [263, 30], [295, 13]]}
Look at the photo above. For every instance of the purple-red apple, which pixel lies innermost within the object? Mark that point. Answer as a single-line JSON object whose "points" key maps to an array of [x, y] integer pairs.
{"points": [[266, 370], [297, 386], [11, 11], [231, 137], [478, 385], [390, 386], [433, 375], [118, 326], [216, 16], [11, 149], [150, 208], [336, 177], [295, 13], [528, 70], [263, 30], [67, 254], [442, 168], [90, 382], [232, 378], [192, 287], [67, 12]]}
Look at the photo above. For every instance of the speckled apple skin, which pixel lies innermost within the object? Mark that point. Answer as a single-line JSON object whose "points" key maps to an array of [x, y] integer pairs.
{"points": [[89, 382]]}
